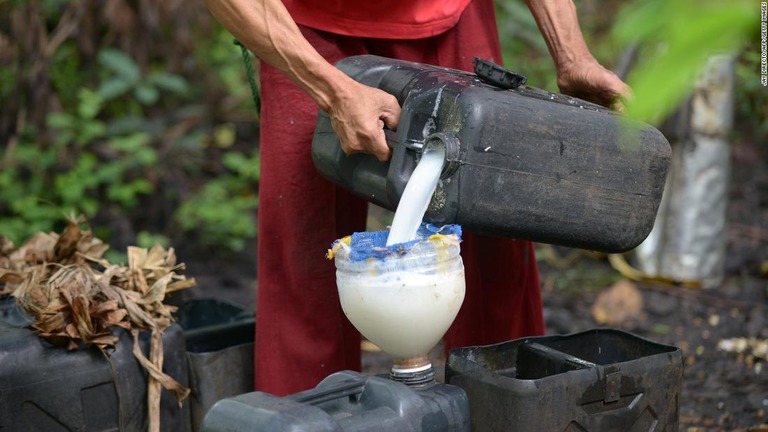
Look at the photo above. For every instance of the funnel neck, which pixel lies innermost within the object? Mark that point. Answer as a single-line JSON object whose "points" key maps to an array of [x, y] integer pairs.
{"points": [[415, 372]]}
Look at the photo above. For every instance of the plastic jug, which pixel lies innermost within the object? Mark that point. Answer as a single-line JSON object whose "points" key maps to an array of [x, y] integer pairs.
{"points": [[596, 380], [520, 162], [345, 401]]}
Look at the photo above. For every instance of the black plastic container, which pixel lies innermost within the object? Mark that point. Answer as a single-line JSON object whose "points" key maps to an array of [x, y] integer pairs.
{"points": [[598, 380], [520, 162], [47, 388], [12, 314], [346, 401], [220, 343]]}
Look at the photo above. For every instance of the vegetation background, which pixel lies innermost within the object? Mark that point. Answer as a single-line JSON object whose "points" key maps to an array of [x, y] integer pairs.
{"points": [[139, 114]]}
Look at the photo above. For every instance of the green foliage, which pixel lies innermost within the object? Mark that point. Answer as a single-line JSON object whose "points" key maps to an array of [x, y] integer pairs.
{"points": [[132, 133], [525, 51], [522, 45], [751, 97], [224, 60], [127, 79], [42, 183], [222, 212], [677, 37], [125, 135]]}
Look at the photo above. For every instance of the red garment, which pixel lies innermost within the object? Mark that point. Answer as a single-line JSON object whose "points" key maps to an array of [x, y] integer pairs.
{"points": [[302, 335], [392, 19]]}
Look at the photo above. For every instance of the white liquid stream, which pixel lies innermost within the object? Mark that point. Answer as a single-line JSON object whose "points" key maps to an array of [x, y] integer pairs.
{"points": [[416, 196]]}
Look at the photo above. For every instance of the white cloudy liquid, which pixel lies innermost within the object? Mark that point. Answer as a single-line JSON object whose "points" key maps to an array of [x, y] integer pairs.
{"points": [[416, 196], [405, 303], [403, 313]]}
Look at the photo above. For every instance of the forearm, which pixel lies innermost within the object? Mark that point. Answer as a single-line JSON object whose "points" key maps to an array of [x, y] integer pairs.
{"points": [[267, 29], [558, 23]]}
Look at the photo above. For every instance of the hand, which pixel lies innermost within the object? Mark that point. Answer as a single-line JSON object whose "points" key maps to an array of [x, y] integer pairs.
{"points": [[359, 114], [588, 80]]}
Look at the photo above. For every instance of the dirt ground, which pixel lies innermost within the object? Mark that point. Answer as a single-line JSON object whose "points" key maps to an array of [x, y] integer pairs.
{"points": [[723, 389]]}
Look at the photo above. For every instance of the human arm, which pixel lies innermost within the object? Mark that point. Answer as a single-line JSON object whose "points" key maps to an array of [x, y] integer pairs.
{"points": [[578, 73], [358, 112]]}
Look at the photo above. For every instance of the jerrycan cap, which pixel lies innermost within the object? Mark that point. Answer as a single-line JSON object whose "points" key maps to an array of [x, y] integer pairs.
{"points": [[496, 75]]}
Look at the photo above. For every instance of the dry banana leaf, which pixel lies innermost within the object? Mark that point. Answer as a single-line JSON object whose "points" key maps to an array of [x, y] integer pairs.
{"points": [[75, 296]]}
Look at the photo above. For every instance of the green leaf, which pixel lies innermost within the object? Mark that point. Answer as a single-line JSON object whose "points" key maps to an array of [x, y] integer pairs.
{"points": [[73, 185], [245, 167], [89, 103], [218, 215], [166, 81], [113, 88], [129, 143], [146, 94], [125, 193], [640, 20], [120, 63], [90, 131], [60, 121], [147, 239], [688, 33]]}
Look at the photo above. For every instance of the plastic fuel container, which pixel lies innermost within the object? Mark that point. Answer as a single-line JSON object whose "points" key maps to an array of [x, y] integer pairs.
{"points": [[520, 162], [346, 401], [597, 380], [220, 347], [47, 388]]}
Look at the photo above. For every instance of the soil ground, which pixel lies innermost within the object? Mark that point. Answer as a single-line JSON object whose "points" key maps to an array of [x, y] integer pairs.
{"points": [[722, 390]]}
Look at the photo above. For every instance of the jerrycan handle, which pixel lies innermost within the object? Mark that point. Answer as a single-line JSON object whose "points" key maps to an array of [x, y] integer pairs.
{"points": [[352, 387], [410, 144], [391, 138]]}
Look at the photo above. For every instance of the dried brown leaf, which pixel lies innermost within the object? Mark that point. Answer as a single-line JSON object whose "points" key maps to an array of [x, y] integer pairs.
{"points": [[71, 331], [38, 250], [103, 307], [115, 317], [50, 322], [180, 284], [104, 340], [136, 257], [130, 301], [156, 292], [66, 245], [73, 345], [81, 318], [6, 247], [156, 371], [10, 276]]}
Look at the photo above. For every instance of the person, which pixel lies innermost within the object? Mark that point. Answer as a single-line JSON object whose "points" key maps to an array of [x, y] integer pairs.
{"points": [[302, 335]]}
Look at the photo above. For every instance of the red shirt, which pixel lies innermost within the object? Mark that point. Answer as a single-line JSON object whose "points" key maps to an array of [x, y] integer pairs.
{"points": [[386, 19]]}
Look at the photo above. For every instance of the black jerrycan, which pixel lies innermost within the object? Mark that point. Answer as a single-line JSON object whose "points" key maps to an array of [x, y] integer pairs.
{"points": [[520, 162]]}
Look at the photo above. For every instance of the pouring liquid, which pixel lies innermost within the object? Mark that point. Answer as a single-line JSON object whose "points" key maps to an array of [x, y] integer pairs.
{"points": [[416, 196], [408, 307]]}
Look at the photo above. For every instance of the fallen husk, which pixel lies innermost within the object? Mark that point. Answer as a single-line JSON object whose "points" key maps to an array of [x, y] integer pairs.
{"points": [[74, 296]]}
